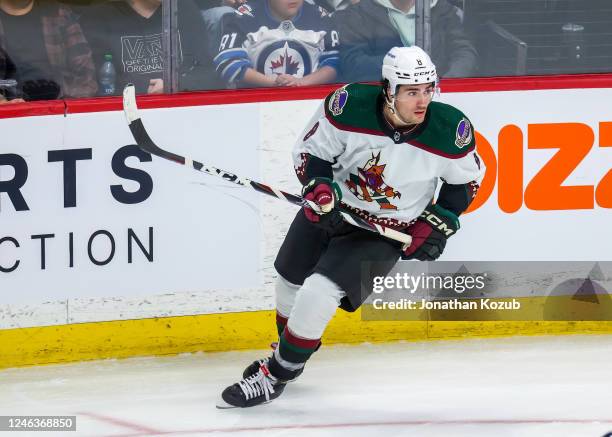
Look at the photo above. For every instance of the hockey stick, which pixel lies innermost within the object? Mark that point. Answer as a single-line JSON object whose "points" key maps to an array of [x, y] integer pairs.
{"points": [[145, 142]]}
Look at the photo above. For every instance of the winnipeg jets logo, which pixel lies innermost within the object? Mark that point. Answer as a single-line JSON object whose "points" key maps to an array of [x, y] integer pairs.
{"points": [[285, 63], [245, 10], [289, 58]]}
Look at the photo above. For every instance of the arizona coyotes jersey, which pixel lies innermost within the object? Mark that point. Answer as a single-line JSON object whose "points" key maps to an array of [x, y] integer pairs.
{"points": [[388, 176], [253, 38]]}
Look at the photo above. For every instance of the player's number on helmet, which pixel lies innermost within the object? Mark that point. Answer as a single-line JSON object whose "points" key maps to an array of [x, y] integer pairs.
{"points": [[408, 66]]}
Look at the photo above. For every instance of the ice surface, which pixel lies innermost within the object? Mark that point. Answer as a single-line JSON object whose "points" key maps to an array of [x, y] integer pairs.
{"points": [[535, 386]]}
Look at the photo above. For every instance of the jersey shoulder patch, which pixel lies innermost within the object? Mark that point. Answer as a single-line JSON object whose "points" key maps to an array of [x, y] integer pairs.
{"points": [[245, 9], [448, 130], [354, 106], [323, 12]]}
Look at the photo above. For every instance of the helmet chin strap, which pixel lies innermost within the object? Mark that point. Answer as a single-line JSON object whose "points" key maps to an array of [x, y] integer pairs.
{"points": [[390, 102]]}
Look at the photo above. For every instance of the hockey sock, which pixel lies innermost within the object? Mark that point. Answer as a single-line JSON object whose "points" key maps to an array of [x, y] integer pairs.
{"points": [[295, 349], [289, 358], [315, 304], [281, 322], [285, 293]]}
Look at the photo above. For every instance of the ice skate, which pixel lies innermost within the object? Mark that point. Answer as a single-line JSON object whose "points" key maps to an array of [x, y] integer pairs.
{"points": [[253, 368], [259, 388]]}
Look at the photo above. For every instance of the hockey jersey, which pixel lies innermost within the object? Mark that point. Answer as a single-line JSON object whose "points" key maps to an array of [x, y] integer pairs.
{"points": [[253, 38], [388, 176]]}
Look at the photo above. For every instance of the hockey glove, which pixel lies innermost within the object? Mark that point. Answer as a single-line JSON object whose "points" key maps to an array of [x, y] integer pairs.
{"points": [[430, 232], [323, 194]]}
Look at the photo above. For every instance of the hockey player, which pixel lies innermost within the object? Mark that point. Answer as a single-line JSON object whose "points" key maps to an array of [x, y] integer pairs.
{"points": [[278, 43], [383, 150]]}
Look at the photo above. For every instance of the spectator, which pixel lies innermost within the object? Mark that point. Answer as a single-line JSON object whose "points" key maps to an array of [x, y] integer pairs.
{"points": [[334, 5], [278, 43], [131, 31], [371, 27], [212, 12], [47, 49]]}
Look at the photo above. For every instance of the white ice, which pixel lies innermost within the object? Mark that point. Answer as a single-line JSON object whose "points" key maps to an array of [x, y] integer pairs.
{"points": [[534, 386]]}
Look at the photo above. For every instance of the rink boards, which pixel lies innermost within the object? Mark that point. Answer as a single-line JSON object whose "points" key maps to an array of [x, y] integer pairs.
{"points": [[107, 253], [245, 330]]}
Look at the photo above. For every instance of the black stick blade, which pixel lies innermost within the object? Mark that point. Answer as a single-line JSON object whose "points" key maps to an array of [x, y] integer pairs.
{"points": [[138, 130]]}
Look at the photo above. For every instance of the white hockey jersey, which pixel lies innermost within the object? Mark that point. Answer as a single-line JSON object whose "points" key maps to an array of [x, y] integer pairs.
{"points": [[387, 176]]}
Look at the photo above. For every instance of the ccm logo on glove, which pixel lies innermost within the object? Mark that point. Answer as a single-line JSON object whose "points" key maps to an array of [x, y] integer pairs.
{"points": [[437, 223], [429, 233]]}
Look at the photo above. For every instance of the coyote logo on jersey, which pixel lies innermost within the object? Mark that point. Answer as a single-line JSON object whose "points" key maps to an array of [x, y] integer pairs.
{"points": [[369, 185]]}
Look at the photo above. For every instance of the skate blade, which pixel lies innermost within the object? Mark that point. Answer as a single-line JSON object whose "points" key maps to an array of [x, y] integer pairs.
{"points": [[225, 406], [222, 405]]}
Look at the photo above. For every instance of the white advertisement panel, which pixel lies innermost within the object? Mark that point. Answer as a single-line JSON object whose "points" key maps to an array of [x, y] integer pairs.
{"points": [[96, 224], [85, 213], [549, 188]]}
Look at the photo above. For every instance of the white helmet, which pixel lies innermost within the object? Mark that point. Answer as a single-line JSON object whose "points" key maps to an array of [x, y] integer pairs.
{"points": [[408, 66]]}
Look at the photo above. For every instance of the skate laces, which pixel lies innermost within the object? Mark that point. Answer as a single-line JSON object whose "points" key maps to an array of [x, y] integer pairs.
{"points": [[259, 384]]}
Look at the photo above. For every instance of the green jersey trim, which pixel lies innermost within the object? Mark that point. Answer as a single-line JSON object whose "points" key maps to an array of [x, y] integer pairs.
{"points": [[446, 130]]}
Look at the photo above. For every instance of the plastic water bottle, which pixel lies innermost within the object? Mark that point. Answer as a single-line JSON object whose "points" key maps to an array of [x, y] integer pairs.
{"points": [[107, 77]]}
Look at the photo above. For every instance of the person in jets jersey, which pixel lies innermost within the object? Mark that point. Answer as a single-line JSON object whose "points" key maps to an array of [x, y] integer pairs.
{"points": [[383, 150], [278, 43]]}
